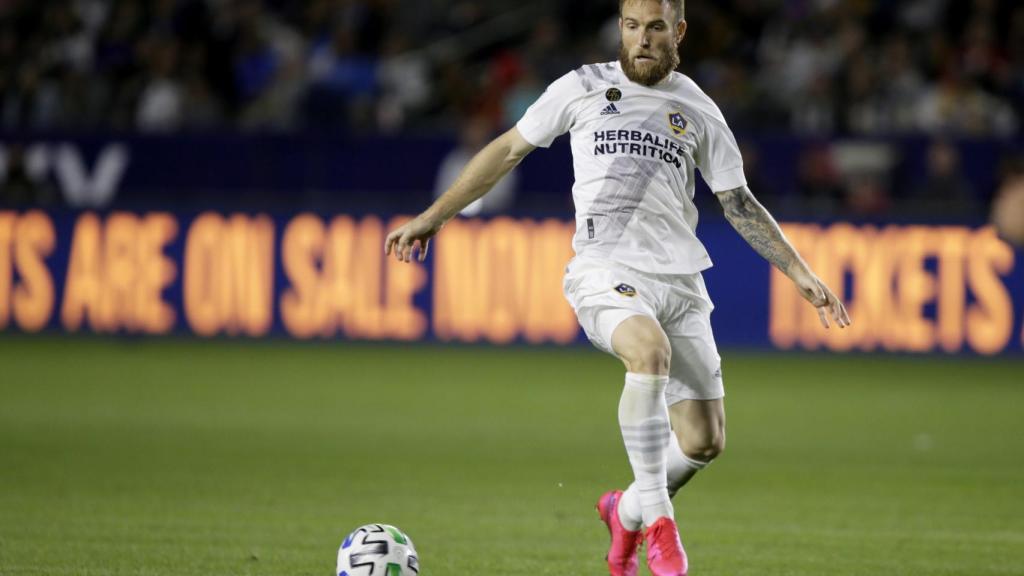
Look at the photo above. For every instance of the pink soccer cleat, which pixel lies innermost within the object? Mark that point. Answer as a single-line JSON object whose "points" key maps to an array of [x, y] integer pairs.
{"points": [[622, 555], [665, 554]]}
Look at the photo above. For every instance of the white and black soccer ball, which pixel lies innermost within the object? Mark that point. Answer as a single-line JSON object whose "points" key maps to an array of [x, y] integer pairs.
{"points": [[377, 550]]}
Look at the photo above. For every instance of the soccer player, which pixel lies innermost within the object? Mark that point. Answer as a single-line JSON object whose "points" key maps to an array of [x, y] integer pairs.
{"points": [[638, 131]]}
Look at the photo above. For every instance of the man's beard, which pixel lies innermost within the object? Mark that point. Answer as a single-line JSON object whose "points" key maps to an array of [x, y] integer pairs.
{"points": [[666, 60]]}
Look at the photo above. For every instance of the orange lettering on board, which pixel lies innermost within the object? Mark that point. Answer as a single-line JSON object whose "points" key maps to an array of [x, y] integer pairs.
{"points": [[229, 275], [990, 318], [7, 221], [33, 297]]}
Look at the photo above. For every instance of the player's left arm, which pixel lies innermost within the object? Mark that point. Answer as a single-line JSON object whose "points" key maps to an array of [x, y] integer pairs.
{"points": [[762, 232]]}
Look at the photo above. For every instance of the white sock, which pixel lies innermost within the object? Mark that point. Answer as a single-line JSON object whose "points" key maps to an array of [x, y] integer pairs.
{"points": [[643, 418], [679, 469]]}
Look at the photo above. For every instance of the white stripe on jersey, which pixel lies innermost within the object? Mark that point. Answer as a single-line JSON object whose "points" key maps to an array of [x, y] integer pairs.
{"points": [[634, 167]]}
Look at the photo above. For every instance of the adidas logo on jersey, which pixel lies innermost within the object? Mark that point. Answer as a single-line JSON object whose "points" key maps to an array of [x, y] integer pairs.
{"points": [[609, 109]]}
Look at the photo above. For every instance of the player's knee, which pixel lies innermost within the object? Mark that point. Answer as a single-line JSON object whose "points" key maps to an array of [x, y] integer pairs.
{"points": [[707, 448], [642, 345], [649, 359]]}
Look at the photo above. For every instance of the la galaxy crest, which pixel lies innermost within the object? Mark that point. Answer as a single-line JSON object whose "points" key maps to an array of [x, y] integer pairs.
{"points": [[613, 95], [625, 290], [677, 123]]}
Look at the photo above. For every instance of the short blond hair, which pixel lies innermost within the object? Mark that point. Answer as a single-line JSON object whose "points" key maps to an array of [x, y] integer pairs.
{"points": [[678, 6]]}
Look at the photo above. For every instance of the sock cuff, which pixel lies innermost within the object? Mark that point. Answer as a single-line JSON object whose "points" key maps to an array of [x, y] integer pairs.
{"points": [[697, 464], [652, 382]]}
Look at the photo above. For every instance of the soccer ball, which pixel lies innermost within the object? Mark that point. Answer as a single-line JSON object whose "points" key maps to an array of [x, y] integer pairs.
{"points": [[377, 550]]}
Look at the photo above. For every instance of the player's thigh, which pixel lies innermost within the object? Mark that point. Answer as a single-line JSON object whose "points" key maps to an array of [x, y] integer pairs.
{"points": [[696, 367], [611, 299], [699, 426], [642, 345]]}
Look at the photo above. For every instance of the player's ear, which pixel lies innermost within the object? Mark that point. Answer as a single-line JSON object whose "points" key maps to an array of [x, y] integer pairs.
{"points": [[680, 31]]}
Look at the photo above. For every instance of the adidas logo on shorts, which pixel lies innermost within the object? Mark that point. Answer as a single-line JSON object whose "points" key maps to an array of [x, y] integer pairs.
{"points": [[609, 109]]}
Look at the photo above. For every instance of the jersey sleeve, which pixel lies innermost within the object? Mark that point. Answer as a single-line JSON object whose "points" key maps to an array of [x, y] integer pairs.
{"points": [[554, 113], [718, 156]]}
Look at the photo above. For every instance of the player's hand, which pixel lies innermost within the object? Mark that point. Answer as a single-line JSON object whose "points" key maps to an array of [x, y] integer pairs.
{"points": [[415, 233], [818, 294]]}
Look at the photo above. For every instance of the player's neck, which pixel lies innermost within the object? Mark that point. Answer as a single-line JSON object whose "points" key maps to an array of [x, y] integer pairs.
{"points": [[660, 84]]}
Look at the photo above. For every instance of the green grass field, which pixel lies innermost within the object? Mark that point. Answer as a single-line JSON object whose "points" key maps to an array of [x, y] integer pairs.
{"points": [[214, 458]]}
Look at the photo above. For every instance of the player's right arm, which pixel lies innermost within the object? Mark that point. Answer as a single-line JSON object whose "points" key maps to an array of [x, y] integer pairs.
{"points": [[478, 177], [551, 115]]}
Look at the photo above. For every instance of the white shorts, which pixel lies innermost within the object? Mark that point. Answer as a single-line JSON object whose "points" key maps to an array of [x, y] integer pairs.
{"points": [[603, 294]]}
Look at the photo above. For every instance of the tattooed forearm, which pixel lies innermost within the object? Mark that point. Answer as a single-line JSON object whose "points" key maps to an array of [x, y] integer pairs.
{"points": [[757, 227]]}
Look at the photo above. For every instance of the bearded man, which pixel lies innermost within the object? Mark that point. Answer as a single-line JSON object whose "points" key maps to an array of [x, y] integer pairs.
{"points": [[639, 130]]}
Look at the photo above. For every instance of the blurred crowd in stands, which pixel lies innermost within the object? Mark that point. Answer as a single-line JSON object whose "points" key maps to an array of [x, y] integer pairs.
{"points": [[812, 66], [949, 69]]}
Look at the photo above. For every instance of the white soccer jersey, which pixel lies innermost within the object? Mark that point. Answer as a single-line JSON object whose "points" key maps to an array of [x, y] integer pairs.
{"points": [[634, 152]]}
